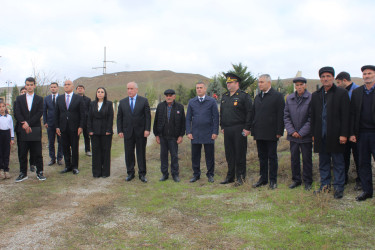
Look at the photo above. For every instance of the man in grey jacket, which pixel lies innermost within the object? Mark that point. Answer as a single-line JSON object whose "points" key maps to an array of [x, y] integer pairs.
{"points": [[202, 128], [297, 124]]}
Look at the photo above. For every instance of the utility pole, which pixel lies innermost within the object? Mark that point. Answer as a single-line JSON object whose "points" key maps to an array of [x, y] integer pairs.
{"points": [[104, 63]]}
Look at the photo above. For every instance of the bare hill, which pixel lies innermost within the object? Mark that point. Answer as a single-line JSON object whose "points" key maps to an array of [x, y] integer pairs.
{"points": [[160, 80]]}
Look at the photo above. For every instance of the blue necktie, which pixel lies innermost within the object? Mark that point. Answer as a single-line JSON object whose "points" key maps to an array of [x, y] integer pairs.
{"points": [[131, 104]]}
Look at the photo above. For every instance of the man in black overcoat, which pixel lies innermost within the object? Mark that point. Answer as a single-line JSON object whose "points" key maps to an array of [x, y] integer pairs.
{"points": [[267, 127], [330, 129]]}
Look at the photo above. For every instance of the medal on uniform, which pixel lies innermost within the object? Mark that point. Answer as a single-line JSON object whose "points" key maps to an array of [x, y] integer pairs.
{"points": [[235, 103]]}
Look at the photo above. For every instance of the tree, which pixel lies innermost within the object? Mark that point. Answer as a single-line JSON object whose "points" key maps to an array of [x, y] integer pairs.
{"points": [[42, 79], [279, 86], [181, 94], [247, 78], [151, 95], [214, 88], [15, 93], [192, 93]]}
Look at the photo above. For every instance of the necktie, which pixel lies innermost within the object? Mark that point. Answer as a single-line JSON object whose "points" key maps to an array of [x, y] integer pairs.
{"points": [[132, 104], [200, 99], [53, 100], [67, 101], [262, 94]]}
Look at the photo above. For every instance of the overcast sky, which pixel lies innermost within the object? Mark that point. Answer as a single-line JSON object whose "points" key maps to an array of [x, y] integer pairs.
{"points": [[65, 39]]}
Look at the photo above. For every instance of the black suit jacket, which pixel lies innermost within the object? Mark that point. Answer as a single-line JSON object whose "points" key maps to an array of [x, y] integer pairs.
{"points": [[356, 108], [133, 123], [268, 116], [338, 106], [49, 111], [100, 122], [22, 112], [73, 117]]}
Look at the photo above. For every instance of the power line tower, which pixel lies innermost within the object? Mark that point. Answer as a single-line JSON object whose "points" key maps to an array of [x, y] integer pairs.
{"points": [[104, 63]]}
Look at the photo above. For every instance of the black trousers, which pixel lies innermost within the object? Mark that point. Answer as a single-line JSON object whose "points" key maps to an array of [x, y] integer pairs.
{"points": [[31, 160], [4, 149], [295, 150], [171, 146], [101, 155], [86, 138], [235, 152], [35, 148], [267, 154], [138, 143], [51, 132], [350, 148], [209, 151], [366, 148], [70, 145]]}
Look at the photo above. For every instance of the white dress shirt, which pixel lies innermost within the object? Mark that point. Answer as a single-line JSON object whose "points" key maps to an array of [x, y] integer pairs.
{"points": [[29, 100], [6, 122], [100, 104]]}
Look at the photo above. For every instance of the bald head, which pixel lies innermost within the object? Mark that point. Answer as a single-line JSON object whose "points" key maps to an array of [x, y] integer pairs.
{"points": [[68, 86], [132, 89]]}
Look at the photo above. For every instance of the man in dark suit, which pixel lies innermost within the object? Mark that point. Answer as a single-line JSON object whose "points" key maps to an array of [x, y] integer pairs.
{"points": [[267, 127], [202, 128], [362, 128], [86, 100], [49, 122], [29, 110], [69, 118], [134, 124], [330, 129]]}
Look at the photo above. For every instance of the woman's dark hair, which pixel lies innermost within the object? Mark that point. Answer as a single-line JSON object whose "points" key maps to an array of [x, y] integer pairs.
{"points": [[105, 95]]}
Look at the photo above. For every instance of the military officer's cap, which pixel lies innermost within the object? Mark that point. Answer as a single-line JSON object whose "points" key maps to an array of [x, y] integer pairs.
{"points": [[232, 77]]}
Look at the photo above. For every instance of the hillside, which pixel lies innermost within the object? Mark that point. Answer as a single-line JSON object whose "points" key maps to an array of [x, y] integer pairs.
{"points": [[115, 83]]}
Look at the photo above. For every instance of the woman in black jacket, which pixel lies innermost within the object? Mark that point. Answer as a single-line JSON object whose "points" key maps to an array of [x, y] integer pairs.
{"points": [[99, 125]]}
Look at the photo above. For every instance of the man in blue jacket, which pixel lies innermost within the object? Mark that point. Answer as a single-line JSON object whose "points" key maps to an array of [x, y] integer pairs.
{"points": [[49, 105], [297, 124], [202, 128], [344, 81]]}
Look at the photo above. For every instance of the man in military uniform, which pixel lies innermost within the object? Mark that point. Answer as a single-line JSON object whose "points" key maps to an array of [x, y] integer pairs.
{"points": [[235, 122]]}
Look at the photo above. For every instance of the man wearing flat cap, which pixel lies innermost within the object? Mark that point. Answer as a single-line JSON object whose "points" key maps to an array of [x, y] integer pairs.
{"points": [[235, 122], [362, 128], [344, 81], [297, 124], [169, 128], [267, 127], [330, 129]]}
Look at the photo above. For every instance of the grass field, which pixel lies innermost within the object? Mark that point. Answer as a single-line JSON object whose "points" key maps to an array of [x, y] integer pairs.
{"points": [[70, 212]]}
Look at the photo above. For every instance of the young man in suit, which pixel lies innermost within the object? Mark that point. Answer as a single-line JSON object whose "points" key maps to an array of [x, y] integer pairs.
{"points": [[29, 110], [134, 124], [69, 118], [86, 100], [49, 122]]}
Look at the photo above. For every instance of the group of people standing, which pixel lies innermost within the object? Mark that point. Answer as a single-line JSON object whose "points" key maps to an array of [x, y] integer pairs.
{"points": [[334, 121]]}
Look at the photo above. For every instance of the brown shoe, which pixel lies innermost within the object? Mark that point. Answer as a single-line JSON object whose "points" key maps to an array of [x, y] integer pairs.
{"points": [[7, 175]]}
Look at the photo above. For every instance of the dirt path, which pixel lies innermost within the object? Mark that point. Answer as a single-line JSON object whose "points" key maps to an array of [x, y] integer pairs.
{"points": [[46, 225]]}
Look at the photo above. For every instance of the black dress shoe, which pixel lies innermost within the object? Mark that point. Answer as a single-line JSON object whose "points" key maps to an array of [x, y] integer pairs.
{"points": [[358, 186], [338, 194], [59, 162], [259, 184], [130, 177], [66, 170], [194, 179], [143, 178], [364, 196], [75, 171], [176, 178], [294, 185], [210, 179], [164, 178], [273, 185], [226, 181], [307, 186], [51, 162]]}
